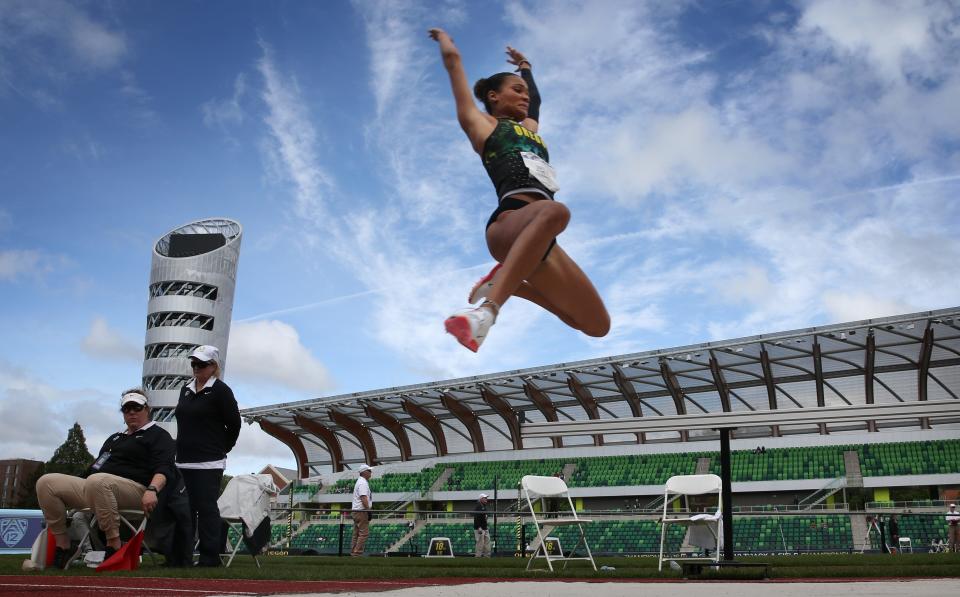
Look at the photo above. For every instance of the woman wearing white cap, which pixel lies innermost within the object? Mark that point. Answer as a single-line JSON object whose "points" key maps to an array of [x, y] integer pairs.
{"points": [[208, 424], [131, 468]]}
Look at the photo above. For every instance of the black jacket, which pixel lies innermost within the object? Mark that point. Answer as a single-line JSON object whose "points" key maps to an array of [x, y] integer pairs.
{"points": [[170, 530], [480, 516], [208, 423], [137, 456]]}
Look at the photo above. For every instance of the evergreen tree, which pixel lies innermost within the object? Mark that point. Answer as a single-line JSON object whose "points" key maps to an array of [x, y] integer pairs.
{"points": [[72, 457]]}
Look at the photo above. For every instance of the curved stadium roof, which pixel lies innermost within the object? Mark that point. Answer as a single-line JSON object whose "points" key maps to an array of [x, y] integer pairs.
{"points": [[895, 359]]}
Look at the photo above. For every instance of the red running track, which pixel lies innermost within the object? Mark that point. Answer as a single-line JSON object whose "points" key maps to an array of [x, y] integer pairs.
{"points": [[89, 586]]}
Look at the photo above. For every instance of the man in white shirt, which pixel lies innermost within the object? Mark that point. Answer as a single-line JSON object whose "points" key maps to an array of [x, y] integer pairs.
{"points": [[953, 527], [360, 511]]}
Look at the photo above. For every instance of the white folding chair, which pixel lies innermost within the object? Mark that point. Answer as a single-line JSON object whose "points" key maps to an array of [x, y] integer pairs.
{"points": [[684, 486], [126, 519], [244, 504], [534, 488], [904, 544]]}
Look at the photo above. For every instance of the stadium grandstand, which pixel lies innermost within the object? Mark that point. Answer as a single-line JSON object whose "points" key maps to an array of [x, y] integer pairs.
{"points": [[808, 482]]}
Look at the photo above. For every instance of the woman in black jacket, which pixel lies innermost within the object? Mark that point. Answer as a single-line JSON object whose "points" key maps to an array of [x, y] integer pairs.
{"points": [[208, 424]]}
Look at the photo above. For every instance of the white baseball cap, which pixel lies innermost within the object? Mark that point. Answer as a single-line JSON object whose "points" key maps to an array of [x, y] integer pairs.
{"points": [[364, 468], [483, 495], [206, 354], [953, 505], [135, 397]]}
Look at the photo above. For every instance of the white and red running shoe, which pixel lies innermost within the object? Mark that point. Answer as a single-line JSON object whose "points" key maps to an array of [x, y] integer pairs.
{"points": [[482, 288], [470, 326]]}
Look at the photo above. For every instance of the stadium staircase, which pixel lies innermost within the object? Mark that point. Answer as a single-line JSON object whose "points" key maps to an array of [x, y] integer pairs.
{"points": [[703, 466], [858, 526], [568, 470], [851, 463], [413, 532], [819, 496], [440, 482]]}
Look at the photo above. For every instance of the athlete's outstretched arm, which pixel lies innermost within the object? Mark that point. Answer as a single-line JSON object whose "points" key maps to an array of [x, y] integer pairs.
{"points": [[516, 58], [474, 123]]}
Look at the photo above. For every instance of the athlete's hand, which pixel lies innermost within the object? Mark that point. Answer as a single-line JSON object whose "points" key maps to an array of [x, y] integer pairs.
{"points": [[516, 57], [437, 33]]}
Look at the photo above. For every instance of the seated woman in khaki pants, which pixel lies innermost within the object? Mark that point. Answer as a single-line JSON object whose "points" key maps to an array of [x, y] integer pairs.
{"points": [[132, 467]]}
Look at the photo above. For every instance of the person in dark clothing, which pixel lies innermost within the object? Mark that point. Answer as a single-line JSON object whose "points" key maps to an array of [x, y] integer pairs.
{"points": [[131, 468], [208, 424], [480, 533], [894, 532]]}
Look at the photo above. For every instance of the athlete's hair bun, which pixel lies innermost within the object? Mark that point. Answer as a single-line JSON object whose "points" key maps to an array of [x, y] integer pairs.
{"points": [[484, 86]]}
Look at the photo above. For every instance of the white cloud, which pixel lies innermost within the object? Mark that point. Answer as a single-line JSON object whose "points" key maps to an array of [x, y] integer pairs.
{"points": [[293, 139], [256, 449], [853, 306], [225, 113], [36, 415], [379, 245], [55, 34], [886, 33], [92, 42], [271, 352], [20, 263], [105, 342]]}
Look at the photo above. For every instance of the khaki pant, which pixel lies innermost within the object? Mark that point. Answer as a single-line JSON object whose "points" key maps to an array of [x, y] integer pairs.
{"points": [[481, 548], [361, 528], [105, 494], [953, 534]]}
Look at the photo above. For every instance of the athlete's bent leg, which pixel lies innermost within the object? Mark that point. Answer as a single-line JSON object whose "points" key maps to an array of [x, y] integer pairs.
{"points": [[519, 239]]}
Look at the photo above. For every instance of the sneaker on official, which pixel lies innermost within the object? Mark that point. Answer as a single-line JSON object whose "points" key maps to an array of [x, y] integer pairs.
{"points": [[482, 288], [61, 558], [470, 326]]}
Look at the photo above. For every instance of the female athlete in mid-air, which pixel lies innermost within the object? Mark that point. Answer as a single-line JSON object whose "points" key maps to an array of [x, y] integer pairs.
{"points": [[522, 231]]}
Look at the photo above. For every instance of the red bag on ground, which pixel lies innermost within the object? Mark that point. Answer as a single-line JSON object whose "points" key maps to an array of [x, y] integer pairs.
{"points": [[126, 558]]}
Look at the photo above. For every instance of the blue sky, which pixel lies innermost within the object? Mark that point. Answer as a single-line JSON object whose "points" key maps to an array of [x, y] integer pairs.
{"points": [[732, 168]]}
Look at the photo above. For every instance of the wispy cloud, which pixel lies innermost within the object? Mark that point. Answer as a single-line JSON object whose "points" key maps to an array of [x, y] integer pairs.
{"points": [[378, 242], [293, 139], [27, 263], [224, 114], [105, 342], [43, 44], [769, 196]]}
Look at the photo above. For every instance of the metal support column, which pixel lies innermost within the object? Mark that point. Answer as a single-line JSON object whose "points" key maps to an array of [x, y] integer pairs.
{"points": [[726, 494]]}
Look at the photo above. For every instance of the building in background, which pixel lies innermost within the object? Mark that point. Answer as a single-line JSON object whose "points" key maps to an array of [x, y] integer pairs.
{"points": [[192, 280], [15, 474]]}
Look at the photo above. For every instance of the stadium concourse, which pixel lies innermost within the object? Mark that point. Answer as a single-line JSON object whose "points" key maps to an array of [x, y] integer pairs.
{"points": [[810, 481]]}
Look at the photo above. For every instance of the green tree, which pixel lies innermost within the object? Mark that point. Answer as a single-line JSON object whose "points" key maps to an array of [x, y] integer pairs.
{"points": [[72, 457]]}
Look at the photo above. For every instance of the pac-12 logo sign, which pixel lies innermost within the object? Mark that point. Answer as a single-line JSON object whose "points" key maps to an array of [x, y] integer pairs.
{"points": [[12, 530]]}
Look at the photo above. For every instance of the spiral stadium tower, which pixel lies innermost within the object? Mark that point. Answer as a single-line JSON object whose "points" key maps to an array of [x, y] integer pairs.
{"points": [[192, 280]]}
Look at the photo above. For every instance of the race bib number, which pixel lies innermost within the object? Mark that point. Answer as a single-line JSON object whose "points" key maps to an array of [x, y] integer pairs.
{"points": [[541, 170]]}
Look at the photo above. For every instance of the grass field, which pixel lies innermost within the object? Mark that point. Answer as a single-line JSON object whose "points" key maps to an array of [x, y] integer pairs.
{"points": [[943, 565]]}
